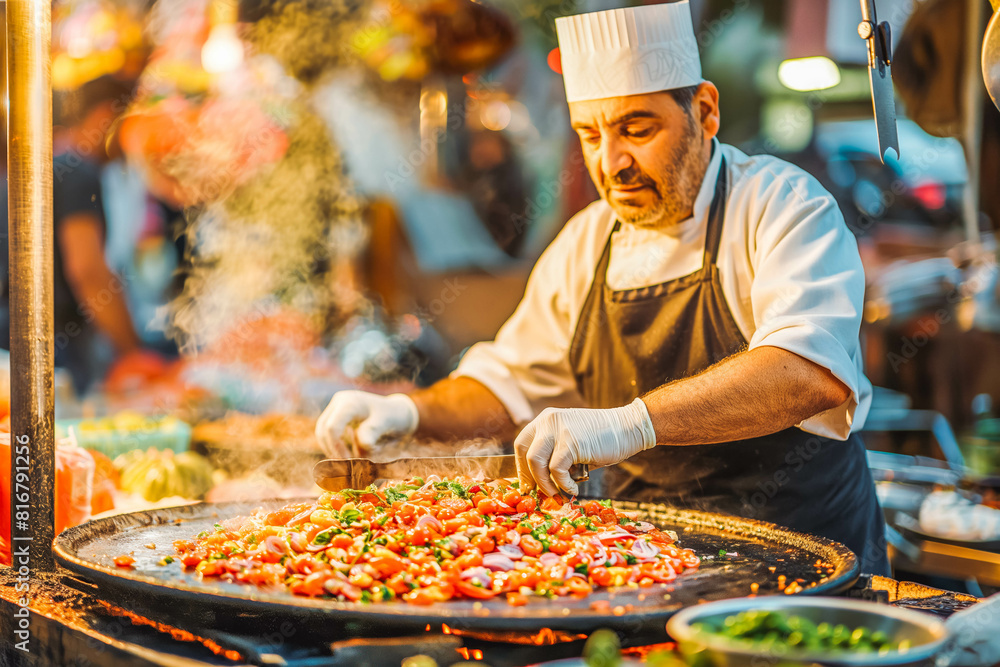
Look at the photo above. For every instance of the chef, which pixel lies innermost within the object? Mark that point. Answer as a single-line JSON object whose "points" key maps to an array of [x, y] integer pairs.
{"points": [[694, 331]]}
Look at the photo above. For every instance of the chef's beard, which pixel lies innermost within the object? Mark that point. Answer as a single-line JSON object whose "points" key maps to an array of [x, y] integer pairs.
{"points": [[674, 189]]}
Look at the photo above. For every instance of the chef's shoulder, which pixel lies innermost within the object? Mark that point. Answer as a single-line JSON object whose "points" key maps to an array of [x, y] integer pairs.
{"points": [[769, 191], [583, 236]]}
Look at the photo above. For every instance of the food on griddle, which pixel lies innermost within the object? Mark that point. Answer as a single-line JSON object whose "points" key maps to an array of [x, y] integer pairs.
{"points": [[155, 474], [784, 632], [435, 540]]}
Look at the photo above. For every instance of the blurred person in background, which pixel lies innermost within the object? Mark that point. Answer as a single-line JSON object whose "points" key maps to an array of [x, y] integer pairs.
{"points": [[89, 298], [694, 332]]}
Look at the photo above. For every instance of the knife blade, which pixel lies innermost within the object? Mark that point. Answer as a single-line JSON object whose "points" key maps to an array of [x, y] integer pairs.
{"points": [[340, 474], [879, 40]]}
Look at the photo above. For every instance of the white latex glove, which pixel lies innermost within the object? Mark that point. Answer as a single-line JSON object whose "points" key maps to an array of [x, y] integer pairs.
{"points": [[559, 438], [372, 417]]}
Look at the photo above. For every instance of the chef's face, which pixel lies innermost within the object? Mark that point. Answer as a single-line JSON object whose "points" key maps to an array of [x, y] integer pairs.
{"points": [[646, 153]]}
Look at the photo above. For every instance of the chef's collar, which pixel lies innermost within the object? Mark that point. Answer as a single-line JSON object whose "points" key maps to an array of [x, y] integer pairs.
{"points": [[707, 191]]}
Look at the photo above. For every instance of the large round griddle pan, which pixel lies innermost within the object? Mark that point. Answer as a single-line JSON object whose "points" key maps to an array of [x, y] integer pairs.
{"points": [[755, 553]]}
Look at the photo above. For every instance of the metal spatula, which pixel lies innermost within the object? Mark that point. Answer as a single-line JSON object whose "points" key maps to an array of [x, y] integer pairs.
{"points": [[339, 474]]}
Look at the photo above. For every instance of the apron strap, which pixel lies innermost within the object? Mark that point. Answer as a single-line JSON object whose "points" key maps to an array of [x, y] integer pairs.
{"points": [[713, 234]]}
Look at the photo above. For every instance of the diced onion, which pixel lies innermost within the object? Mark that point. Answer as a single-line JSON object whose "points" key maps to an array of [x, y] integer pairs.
{"points": [[613, 535], [643, 549], [275, 544], [430, 520], [512, 551], [298, 542], [477, 574], [498, 562], [301, 516], [548, 558]]}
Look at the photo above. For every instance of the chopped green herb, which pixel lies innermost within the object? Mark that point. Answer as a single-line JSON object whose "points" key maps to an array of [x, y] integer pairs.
{"points": [[349, 516], [630, 559], [219, 528], [166, 560], [323, 537], [394, 494], [582, 568]]}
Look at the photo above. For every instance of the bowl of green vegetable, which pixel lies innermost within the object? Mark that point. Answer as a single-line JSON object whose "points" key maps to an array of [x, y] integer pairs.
{"points": [[787, 631]]}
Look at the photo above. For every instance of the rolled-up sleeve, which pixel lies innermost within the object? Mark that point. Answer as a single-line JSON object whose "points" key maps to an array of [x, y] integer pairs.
{"points": [[808, 291], [527, 365]]}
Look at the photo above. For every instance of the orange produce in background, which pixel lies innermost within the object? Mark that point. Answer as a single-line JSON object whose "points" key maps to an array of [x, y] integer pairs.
{"points": [[105, 483], [74, 489]]}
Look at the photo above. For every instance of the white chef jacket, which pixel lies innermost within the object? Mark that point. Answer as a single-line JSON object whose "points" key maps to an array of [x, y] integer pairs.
{"points": [[789, 267]]}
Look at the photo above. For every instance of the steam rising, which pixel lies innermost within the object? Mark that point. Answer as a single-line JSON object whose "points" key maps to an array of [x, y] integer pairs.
{"points": [[267, 239], [257, 168]]}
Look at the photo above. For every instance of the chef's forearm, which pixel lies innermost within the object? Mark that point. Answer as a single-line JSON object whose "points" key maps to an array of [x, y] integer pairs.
{"points": [[462, 408], [750, 394]]}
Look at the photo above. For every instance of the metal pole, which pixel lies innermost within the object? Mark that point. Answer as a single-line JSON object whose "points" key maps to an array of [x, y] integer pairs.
{"points": [[29, 168], [973, 111]]}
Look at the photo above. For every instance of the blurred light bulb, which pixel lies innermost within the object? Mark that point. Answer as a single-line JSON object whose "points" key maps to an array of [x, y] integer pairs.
{"points": [[804, 74], [223, 50], [495, 116]]}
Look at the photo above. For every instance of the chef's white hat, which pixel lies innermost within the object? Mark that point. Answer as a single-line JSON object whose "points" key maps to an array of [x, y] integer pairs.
{"points": [[628, 51]]}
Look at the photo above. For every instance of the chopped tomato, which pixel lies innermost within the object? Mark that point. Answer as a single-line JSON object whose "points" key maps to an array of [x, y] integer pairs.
{"points": [[457, 505], [559, 546], [455, 525], [517, 599], [600, 575], [530, 546], [549, 503], [487, 506], [471, 557], [124, 561], [443, 514], [484, 544], [387, 566], [468, 589], [578, 586], [497, 532], [526, 505]]}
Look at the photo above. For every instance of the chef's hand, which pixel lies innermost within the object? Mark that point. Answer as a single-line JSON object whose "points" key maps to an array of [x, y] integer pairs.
{"points": [[559, 438], [372, 418]]}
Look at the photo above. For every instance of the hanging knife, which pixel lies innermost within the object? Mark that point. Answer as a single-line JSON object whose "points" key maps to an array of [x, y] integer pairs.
{"points": [[879, 40]]}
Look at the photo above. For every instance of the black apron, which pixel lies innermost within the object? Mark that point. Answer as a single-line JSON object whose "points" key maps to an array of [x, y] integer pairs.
{"points": [[630, 342]]}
